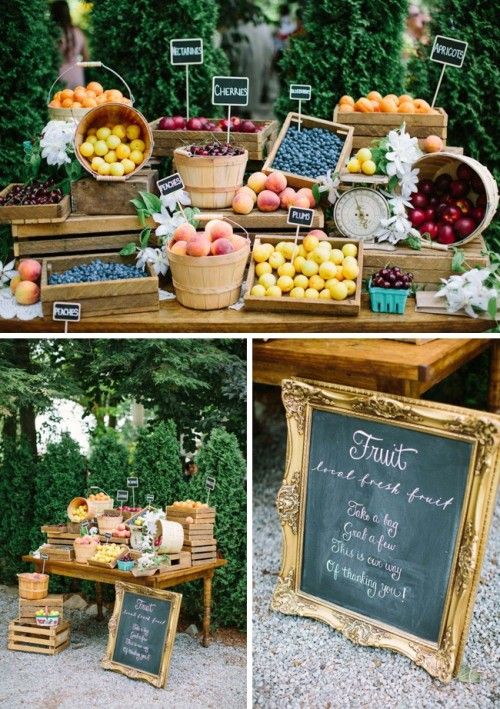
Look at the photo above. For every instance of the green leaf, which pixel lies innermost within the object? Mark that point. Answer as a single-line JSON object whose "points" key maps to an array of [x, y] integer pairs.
{"points": [[128, 249], [468, 675], [457, 261], [151, 201], [138, 203], [141, 215], [144, 237], [413, 242], [393, 183], [316, 193], [492, 308]]}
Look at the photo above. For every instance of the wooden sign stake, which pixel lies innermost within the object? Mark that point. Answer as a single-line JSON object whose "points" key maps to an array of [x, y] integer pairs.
{"points": [[192, 49], [438, 85], [235, 88], [300, 92], [447, 51], [228, 123]]}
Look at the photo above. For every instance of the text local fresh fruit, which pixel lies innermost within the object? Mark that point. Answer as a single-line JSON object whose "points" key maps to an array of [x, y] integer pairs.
{"points": [[217, 239], [113, 149], [313, 269], [310, 152], [270, 193]]}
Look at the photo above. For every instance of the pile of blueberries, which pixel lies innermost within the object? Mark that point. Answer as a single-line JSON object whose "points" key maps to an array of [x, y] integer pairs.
{"points": [[95, 271], [310, 152], [215, 149], [392, 277], [32, 193]]}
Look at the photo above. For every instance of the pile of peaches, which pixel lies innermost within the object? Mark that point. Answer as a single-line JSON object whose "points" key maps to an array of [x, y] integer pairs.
{"points": [[375, 102], [26, 285], [270, 192], [217, 239], [90, 96]]}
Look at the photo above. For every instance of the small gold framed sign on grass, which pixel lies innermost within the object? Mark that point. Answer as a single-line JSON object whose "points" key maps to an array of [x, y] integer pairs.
{"points": [[142, 633], [385, 508]]}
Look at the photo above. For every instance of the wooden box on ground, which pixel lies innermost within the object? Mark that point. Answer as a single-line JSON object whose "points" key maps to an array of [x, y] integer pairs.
{"points": [[29, 637], [128, 295], [90, 196], [259, 221], [340, 129], [58, 552], [53, 601], [370, 126], [34, 213], [428, 266], [258, 144], [349, 306]]}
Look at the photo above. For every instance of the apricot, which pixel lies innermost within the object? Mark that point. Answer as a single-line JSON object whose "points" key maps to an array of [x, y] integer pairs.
{"points": [[27, 293], [184, 232], [392, 97], [346, 108], [306, 192], [406, 107], [238, 241], [29, 270], [421, 105], [388, 105], [276, 182], [286, 196], [405, 98], [179, 247], [14, 282], [221, 246], [242, 203], [218, 229], [257, 181], [199, 245], [300, 200], [346, 101], [268, 201], [363, 105], [432, 144], [374, 96]]}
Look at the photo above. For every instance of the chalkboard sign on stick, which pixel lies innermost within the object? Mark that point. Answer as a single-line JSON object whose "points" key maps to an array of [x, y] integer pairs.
{"points": [[385, 508], [142, 633]]}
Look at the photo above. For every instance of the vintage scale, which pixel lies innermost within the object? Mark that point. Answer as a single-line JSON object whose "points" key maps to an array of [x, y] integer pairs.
{"points": [[358, 210]]}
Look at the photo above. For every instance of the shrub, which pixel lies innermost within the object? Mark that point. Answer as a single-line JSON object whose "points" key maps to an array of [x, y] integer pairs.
{"points": [[108, 463], [157, 464]]}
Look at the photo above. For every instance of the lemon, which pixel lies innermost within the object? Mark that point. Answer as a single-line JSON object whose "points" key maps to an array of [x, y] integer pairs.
{"points": [[137, 157], [298, 263], [279, 246], [91, 139], [113, 141], [138, 145], [311, 293], [267, 280], [260, 253], [110, 156], [319, 255], [122, 151], [317, 283], [258, 290], [285, 283], [350, 271], [310, 268], [310, 242], [350, 261], [262, 268], [289, 251], [350, 250], [368, 167], [329, 283], [297, 292], [96, 162], [116, 169], [327, 270], [86, 149], [276, 259], [128, 165], [302, 251], [103, 133], [336, 256], [353, 165], [103, 168], [133, 131], [325, 294], [287, 269], [301, 281], [351, 286], [100, 148], [338, 291], [273, 292], [363, 154], [120, 131]]}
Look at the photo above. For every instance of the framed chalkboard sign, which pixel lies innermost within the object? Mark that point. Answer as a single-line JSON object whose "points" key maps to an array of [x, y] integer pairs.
{"points": [[142, 633], [385, 508]]}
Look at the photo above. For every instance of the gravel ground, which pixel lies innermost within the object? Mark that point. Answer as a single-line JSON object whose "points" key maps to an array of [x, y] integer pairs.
{"points": [[299, 662], [74, 679]]}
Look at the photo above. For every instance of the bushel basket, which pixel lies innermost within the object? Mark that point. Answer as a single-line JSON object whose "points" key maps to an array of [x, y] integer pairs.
{"points": [[212, 181]]}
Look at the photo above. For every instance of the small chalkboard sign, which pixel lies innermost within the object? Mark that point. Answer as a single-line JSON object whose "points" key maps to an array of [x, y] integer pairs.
{"points": [[300, 92], [300, 216], [170, 184], [122, 495], [186, 51], [210, 483], [84, 524], [132, 482], [230, 91], [383, 508], [150, 499], [447, 50], [67, 312], [44, 556], [142, 633]]}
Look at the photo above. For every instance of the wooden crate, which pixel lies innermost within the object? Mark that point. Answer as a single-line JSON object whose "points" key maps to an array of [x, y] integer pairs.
{"points": [[27, 609], [29, 637], [260, 221], [349, 306], [369, 126], [428, 266], [258, 144], [310, 122], [90, 196], [182, 560], [58, 552], [34, 213], [129, 295], [200, 514]]}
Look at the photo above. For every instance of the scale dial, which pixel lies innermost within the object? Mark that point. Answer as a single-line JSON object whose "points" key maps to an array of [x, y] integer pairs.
{"points": [[358, 212]]}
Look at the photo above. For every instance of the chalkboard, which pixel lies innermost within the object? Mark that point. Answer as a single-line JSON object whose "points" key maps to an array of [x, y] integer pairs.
{"points": [[447, 50], [230, 91], [300, 216], [383, 510], [186, 51]]}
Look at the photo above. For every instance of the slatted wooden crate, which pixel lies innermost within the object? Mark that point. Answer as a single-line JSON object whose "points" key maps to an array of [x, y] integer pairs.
{"points": [[59, 552], [27, 609], [197, 514], [29, 637], [260, 221], [34, 213], [90, 196], [182, 560]]}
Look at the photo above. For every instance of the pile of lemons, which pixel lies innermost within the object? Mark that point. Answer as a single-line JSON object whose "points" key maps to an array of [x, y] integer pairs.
{"points": [[362, 162], [114, 149]]}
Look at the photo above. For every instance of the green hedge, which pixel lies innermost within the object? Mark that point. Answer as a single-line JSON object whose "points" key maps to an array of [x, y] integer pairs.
{"points": [[108, 463]]}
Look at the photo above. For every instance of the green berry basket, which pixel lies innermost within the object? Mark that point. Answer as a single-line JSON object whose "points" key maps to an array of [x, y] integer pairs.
{"points": [[388, 300]]}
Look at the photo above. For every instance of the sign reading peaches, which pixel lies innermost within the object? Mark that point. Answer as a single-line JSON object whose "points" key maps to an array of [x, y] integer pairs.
{"points": [[67, 312], [170, 184]]}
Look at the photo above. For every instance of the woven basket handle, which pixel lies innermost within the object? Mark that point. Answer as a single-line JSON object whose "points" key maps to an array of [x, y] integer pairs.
{"points": [[96, 487], [92, 64]]}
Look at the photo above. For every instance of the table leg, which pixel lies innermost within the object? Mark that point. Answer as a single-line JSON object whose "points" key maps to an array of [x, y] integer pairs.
{"points": [[207, 605], [98, 600], [494, 387]]}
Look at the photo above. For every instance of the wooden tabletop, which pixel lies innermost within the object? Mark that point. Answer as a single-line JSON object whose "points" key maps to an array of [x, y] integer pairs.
{"points": [[173, 317], [377, 364]]}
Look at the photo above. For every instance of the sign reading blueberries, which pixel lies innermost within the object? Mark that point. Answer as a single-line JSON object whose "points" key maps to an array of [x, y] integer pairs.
{"points": [[150, 499], [132, 482], [300, 92], [230, 91], [122, 495], [300, 216], [210, 483], [172, 183], [447, 50], [68, 312], [186, 51]]}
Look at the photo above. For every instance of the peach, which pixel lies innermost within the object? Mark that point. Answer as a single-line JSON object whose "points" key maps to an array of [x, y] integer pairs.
{"points": [[14, 283], [221, 246], [218, 229], [276, 182], [432, 144], [184, 232], [257, 181], [198, 246], [238, 241], [309, 194], [247, 190], [268, 201], [29, 270], [242, 203], [319, 234], [300, 200], [27, 293], [179, 247], [286, 197]]}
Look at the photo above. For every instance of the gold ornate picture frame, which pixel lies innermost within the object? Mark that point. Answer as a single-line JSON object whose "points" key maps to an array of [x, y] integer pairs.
{"points": [[482, 430], [108, 663]]}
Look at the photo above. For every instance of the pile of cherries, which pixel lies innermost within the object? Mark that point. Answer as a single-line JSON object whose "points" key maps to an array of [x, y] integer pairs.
{"points": [[33, 193], [446, 209], [215, 149], [392, 277]]}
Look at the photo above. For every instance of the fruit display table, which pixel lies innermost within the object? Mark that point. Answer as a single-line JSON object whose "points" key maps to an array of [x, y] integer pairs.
{"points": [[167, 579], [389, 366]]}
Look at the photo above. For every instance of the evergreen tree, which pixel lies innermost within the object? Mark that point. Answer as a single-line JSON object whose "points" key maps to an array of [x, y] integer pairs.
{"points": [[143, 59], [221, 458], [157, 464], [16, 489], [108, 463], [349, 47], [29, 61]]}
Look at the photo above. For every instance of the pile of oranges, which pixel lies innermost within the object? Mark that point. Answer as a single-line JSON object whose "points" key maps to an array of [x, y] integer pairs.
{"points": [[90, 97], [375, 102]]}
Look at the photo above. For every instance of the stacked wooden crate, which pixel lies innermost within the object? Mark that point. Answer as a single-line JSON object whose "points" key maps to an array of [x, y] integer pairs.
{"points": [[198, 524], [26, 636], [27, 608]]}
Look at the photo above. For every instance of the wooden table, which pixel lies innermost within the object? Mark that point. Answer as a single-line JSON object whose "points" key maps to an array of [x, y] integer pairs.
{"points": [[173, 317], [381, 365], [101, 575]]}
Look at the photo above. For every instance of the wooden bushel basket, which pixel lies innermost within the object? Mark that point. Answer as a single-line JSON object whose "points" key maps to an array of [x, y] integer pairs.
{"points": [[113, 113], [435, 164], [212, 181], [208, 282]]}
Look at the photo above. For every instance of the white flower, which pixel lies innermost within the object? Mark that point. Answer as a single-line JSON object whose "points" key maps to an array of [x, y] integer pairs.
{"points": [[7, 272], [393, 229], [398, 205], [468, 292], [408, 181], [171, 200], [156, 257], [167, 223], [403, 151], [326, 183], [57, 137]]}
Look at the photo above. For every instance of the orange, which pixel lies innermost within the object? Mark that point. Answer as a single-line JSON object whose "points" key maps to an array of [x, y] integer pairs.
{"points": [[76, 104], [387, 105], [346, 100], [421, 105], [66, 103], [90, 94], [404, 98], [79, 95], [363, 105], [67, 93], [392, 97], [114, 95], [89, 102], [346, 108], [374, 96], [57, 96], [55, 104], [375, 104], [95, 87], [406, 107]]}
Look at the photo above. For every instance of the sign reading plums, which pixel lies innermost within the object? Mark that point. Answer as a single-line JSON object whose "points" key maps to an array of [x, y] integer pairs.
{"points": [[300, 92], [67, 312], [230, 91], [172, 183], [447, 50], [300, 216], [186, 51]]}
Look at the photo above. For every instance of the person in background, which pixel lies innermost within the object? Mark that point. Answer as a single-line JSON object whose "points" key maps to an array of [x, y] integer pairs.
{"points": [[190, 470], [72, 45], [287, 27]]}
